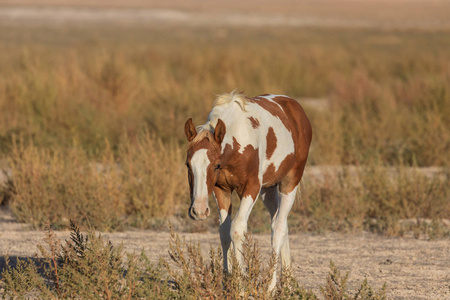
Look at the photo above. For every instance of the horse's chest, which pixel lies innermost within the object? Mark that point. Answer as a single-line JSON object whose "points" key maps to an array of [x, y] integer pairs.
{"points": [[239, 167]]}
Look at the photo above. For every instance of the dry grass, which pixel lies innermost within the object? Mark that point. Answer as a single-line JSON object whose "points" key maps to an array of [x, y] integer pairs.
{"points": [[88, 266], [92, 122], [374, 199], [120, 190]]}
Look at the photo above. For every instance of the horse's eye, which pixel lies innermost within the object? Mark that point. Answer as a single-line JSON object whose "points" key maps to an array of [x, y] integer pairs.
{"points": [[217, 167], [188, 165]]}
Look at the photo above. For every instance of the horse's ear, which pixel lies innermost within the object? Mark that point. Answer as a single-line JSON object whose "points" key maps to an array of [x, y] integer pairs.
{"points": [[189, 130], [219, 131]]}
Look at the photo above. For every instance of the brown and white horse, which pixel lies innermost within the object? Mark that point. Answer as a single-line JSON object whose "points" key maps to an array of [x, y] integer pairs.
{"points": [[254, 146]]}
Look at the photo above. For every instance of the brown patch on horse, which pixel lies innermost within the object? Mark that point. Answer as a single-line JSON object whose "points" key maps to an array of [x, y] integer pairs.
{"points": [[240, 170], [271, 142], [254, 122], [223, 198], [273, 108], [302, 136], [273, 176]]}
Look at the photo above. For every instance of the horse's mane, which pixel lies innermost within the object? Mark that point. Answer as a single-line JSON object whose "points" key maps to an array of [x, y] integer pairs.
{"points": [[221, 100], [239, 98], [207, 130]]}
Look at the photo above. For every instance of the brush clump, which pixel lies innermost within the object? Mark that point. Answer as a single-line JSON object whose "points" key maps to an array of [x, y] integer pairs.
{"points": [[88, 266]]}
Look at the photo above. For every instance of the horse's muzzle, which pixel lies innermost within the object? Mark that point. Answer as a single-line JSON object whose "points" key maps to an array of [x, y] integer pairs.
{"points": [[198, 214]]}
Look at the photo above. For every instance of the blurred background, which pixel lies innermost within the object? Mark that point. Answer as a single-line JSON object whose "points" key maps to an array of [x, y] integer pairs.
{"points": [[94, 96]]}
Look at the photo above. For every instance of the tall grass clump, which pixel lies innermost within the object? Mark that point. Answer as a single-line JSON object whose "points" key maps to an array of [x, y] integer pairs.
{"points": [[154, 181], [89, 267], [132, 187], [386, 123], [387, 201], [55, 186]]}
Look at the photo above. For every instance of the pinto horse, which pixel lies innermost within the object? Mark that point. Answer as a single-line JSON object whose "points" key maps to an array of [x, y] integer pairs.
{"points": [[257, 147]]}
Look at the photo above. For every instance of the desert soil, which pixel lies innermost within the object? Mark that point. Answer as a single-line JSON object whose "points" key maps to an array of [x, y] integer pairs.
{"points": [[411, 268]]}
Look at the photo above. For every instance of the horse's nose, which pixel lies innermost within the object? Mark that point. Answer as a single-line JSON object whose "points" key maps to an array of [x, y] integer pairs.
{"points": [[197, 214]]}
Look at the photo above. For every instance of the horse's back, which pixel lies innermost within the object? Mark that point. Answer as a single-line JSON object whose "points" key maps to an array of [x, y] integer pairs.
{"points": [[291, 113]]}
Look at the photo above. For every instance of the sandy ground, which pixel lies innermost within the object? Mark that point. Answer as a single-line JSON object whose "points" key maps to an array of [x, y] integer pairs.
{"points": [[411, 268]]}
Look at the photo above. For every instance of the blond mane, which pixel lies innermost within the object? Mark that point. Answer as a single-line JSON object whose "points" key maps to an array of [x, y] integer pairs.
{"points": [[223, 99], [239, 98], [207, 130]]}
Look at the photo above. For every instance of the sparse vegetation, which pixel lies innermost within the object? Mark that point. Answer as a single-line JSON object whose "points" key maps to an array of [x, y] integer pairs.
{"points": [[375, 199], [90, 267], [92, 121]]}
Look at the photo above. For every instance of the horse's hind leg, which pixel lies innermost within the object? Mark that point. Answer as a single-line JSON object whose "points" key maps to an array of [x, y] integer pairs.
{"points": [[280, 240], [279, 204], [271, 199], [288, 190], [287, 200]]}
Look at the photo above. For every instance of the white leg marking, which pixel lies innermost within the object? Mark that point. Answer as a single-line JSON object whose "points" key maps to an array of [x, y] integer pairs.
{"points": [[279, 223], [239, 226], [280, 239]]}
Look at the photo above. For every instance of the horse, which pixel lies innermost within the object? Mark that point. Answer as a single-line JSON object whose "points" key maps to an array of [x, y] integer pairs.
{"points": [[257, 147]]}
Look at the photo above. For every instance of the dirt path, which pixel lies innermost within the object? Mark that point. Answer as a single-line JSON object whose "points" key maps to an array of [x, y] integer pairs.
{"points": [[411, 268]]}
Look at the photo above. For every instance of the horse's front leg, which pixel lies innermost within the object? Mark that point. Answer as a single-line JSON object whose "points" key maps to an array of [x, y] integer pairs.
{"points": [[223, 200], [239, 223]]}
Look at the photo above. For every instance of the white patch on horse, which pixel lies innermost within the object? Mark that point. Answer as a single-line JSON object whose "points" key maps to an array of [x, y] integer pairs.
{"points": [[199, 163], [223, 214], [236, 122]]}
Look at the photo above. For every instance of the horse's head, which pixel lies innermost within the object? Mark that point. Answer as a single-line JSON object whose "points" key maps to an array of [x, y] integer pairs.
{"points": [[203, 163]]}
